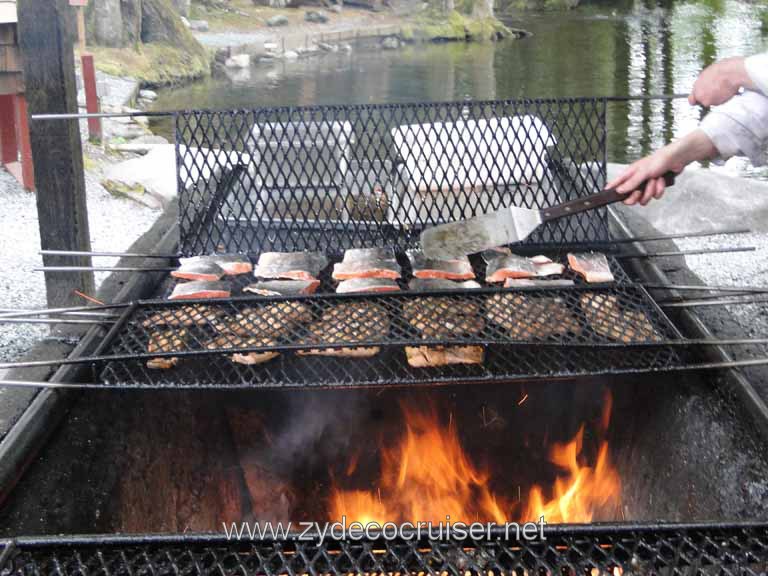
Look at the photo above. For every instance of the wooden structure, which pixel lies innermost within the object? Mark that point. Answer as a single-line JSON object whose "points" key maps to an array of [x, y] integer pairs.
{"points": [[15, 151], [45, 40]]}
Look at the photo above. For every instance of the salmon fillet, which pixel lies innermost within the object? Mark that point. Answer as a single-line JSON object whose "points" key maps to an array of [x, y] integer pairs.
{"points": [[367, 263], [283, 287], [233, 264], [425, 284], [166, 341], [511, 266], [198, 268], [192, 315], [267, 321], [250, 358], [367, 285], [592, 266], [349, 322], [443, 318], [455, 269], [531, 283], [200, 289], [426, 356], [290, 265], [531, 317], [605, 316]]}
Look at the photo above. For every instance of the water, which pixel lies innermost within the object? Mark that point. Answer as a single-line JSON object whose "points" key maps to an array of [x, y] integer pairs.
{"points": [[612, 49]]}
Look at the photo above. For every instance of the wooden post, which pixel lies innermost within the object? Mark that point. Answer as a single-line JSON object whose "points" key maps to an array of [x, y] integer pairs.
{"points": [[9, 149], [25, 147], [92, 105], [49, 73]]}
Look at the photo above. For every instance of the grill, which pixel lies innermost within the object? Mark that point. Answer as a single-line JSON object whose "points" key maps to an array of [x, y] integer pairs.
{"points": [[330, 178], [595, 549]]}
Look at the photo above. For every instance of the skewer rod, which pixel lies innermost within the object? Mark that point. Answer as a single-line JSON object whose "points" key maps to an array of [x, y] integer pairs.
{"points": [[102, 269], [71, 309], [688, 252], [19, 320], [712, 302], [693, 287], [106, 254]]}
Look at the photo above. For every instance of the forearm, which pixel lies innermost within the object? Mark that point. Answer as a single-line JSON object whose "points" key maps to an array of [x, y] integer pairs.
{"points": [[694, 147]]}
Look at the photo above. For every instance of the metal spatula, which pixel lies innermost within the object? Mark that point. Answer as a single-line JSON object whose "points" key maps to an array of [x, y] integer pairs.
{"points": [[508, 225]]}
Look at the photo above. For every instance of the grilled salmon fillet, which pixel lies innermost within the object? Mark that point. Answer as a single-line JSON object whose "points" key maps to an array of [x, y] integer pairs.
{"points": [[426, 284], [423, 267], [198, 268], [431, 356], [367, 285], [349, 322], [266, 321], [200, 289], [225, 341], [443, 318], [283, 287], [290, 265], [166, 341], [192, 315], [509, 266], [367, 263], [527, 317], [605, 316], [592, 266]]}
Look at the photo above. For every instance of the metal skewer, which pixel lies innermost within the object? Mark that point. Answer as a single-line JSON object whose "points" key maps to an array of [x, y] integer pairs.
{"points": [[26, 320], [103, 269], [14, 312], [71, 309], [246, 349], [712, 302], [106, 254], [688, 252], [717, 288]]}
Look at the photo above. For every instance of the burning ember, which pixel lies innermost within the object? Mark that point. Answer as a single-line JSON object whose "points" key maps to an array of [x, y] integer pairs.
{"points": [[427, 476]]}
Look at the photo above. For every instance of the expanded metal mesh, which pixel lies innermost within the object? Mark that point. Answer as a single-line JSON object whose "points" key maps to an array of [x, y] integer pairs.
{"points": [[332, 177], [608, 550], [330, 340]]}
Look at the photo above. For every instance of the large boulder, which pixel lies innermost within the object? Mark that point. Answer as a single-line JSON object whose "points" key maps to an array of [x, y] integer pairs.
{"points": [[105, 23], [182, 6], [316, 17], [277, 20]]}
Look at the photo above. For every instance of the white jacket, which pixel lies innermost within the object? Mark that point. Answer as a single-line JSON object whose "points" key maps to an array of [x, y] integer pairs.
{"points": [[740, 126]]}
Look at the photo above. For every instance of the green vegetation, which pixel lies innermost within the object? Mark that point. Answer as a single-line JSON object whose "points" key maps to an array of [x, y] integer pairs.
{"points": [[764, 22], [154, 64], [434, 27]]}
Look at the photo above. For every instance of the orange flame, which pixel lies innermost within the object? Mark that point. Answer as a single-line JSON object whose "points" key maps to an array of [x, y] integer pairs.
{"points": [[428, 476]]}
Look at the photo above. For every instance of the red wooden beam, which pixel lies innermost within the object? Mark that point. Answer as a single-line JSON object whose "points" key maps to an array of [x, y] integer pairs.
{"points": [[9, 149], [91, 96], [25, 147]]}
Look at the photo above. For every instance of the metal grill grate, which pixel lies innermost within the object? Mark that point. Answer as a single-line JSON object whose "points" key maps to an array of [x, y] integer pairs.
{"points": [[332, 177], [525, 333], [740, 549]]}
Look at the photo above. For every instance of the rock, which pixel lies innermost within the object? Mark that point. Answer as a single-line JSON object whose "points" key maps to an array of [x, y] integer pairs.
{"points": [[185, 21], [327, 47], [148, 94], [346, 48], [238, 61], [316, 17], [277, 20], [270, 46], [151, 139], [124, 131], [141, 145], [199, 25], [290, 55], [182, 6], [221, 55], [105, 23], [335, 8], [390, 43]]}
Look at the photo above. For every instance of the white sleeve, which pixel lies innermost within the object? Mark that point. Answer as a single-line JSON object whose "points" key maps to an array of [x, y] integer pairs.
{"points": [[757, 69], [740, 127]]}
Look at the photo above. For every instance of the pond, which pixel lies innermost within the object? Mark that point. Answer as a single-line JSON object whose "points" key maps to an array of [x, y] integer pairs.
{"points": [[612, 49]]}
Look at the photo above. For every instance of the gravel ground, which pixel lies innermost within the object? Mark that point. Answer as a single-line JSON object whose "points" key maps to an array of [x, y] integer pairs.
{"points": [[734, 269], [114, 224]]}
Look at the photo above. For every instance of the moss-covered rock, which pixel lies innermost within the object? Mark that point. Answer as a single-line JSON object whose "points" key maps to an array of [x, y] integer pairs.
{"points": [[456, 27]]}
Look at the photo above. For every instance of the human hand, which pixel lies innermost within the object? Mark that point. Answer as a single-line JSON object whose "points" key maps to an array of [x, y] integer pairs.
{"points": [[719, 82], [645, 179]]}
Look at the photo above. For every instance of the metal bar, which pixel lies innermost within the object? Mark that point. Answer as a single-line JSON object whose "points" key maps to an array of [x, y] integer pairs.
{"points": [[103, 269], [13, 312], [712, 302], [20, 320], [660, 237], [71, 309], [363, 344], [717, 288], [688, 252], [79, 116], [107, 254]]}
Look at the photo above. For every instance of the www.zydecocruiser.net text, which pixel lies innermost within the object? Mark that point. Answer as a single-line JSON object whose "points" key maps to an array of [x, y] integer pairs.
{"points": [[341, 530]]}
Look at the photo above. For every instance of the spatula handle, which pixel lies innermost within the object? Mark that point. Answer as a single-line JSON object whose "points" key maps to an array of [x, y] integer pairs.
{"points": [[593, 201]]}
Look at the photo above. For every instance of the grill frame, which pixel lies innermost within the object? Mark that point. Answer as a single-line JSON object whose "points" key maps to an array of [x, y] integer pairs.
{"points": [[710, 548]]}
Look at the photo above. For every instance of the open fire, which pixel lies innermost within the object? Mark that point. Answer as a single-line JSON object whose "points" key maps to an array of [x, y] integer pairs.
{"points": [[427, 476]]}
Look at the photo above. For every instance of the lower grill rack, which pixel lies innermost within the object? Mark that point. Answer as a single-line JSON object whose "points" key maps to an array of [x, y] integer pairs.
{"points": [[333, 340], [565, 550]]}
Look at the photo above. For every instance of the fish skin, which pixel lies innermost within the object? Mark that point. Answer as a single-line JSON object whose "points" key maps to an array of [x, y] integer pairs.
{"points": [[283, 287], [367, 263], [455, 269], [200, 289], [290, 265], [233, 264], [367, 285], [528, 282], [531, 317], [511, 266], [426, 284], [592, 266], [348, 323], [225, 341], [549, 269], [199, 269], [166, 341]]}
